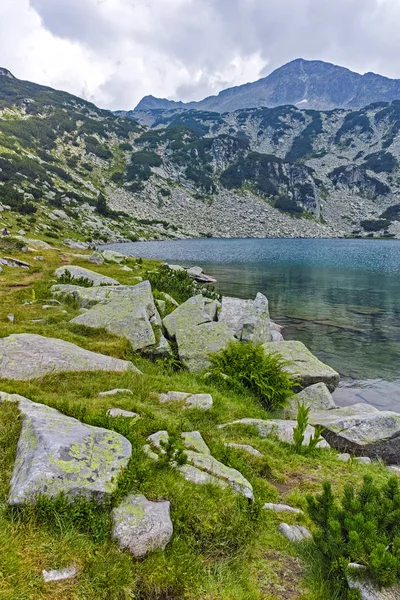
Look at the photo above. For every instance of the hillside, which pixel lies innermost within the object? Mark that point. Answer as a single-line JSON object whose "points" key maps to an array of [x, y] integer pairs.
{"points": [[309, 84], [72, 170]]}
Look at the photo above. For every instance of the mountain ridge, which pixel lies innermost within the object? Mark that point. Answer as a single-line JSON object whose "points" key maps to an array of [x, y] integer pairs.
{"points": [[315, 84]]}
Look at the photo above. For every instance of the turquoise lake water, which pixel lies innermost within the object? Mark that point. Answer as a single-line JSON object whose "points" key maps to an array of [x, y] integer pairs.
{"points": [[340, 297]]}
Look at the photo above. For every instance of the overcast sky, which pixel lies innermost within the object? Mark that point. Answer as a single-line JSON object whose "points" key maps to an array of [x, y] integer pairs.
{"points": [[114, 52]]}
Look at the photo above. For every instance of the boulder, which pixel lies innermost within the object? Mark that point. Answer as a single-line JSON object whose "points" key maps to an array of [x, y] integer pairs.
{"points": [[141, 526], [201, 467], [59, 575], [75, 245], [316, 397], [78, 272], [248, 319], [280, 428], [197, 342], [187, 315], [112, 256], [303, 365], [194, 271], [161, 349], [58, 454], [366, 589], [294, 533], [88, 297], [96, 258], [119, 412], [127, 313], [25, 356], [362, 430]]}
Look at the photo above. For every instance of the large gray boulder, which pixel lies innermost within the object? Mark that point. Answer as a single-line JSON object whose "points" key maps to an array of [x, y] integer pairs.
{"points": [[303, 365], [187, 315], [78, 272], [141, 526], [362, 430], [201, 468], [129, 313], [316, 397], [279, 428], [112, 256], [196, 343], [88, 297], [366, 589], [25, 356], [248, 319], [58, 454]]}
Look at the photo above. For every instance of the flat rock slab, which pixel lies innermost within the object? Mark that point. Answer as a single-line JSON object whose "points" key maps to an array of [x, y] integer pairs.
{"points": [[115, 392], [303, 365], [201, 467], [278, 508], [199, 401], [246, 448], [88, 297], [248, 319], [25, 356], [197, 342], [141, 526], [78, 272], [187, 315], [280, 428], [294, 533], [59, 575], [129, 314], [58, 454], [316, 397], [362, 430], [119, 412]]}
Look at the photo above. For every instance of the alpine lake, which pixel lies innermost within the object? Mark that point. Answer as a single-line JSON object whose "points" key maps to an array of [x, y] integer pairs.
{"points": [[341, 297]]}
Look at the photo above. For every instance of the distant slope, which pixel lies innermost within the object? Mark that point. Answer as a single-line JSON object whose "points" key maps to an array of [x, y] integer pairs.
{"points": [[308, 84]]}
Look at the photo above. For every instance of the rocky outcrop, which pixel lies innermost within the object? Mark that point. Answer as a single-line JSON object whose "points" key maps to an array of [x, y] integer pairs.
{"points": [[58, 454], [79, 272], [201, 467], [187, 315], [279, 428], [141, 526], [294, 533], [196, 343], [362, 430], [315, 397], [26, 356], [303, 365], [248, 319], [129, 313]]}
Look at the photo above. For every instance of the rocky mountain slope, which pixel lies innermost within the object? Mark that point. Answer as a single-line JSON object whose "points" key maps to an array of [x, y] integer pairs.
{"points": [[69, 168], [306, 83]]}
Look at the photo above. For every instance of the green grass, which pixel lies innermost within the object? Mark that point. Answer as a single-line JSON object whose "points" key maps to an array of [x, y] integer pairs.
{"points": [[222, 548]]}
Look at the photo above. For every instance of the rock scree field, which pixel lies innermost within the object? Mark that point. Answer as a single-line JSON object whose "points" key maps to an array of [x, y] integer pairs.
{"points": [[161, 442]]}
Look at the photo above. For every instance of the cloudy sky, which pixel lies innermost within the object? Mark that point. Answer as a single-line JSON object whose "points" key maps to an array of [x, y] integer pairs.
{"points": [[113, 52]]}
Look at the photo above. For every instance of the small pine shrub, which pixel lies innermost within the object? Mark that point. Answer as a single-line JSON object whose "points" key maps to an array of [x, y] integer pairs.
{"points": [[67, 278], [363, 528], [246, 365], [178, 284]]}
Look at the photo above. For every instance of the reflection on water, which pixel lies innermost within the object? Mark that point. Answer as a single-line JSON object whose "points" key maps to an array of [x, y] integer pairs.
{"points": [[340, 297]]}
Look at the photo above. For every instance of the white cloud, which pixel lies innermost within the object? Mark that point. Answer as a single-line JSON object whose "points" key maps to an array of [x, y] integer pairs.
{"points": [[113, 52]]}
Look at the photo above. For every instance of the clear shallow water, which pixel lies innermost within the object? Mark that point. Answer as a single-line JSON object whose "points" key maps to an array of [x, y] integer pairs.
{"points": [[340, 297]]}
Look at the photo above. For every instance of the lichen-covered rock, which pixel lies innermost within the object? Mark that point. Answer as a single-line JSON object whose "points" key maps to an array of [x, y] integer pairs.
{"points": [[201, 467], [119, 412], [200, 401], [112, 256], [141, 526], [186, 316], [127, 313], [248, 319], [96, 258], [161, 349], [316, 397], [116, 391], [59, 575], [88, 297], [58, 454], [366, 589], [196, 343], [25, 356], [278, 508], [78, 272], [280, 428], [303, 365], [362, 430], [245, 447]]}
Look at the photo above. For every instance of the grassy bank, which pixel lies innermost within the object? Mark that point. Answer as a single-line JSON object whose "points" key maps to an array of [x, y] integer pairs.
{"points": [[223, 548]]}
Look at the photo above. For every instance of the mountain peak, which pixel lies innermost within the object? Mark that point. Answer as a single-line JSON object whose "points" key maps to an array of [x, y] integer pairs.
{"points": [[311, 84], [6, 73]]}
